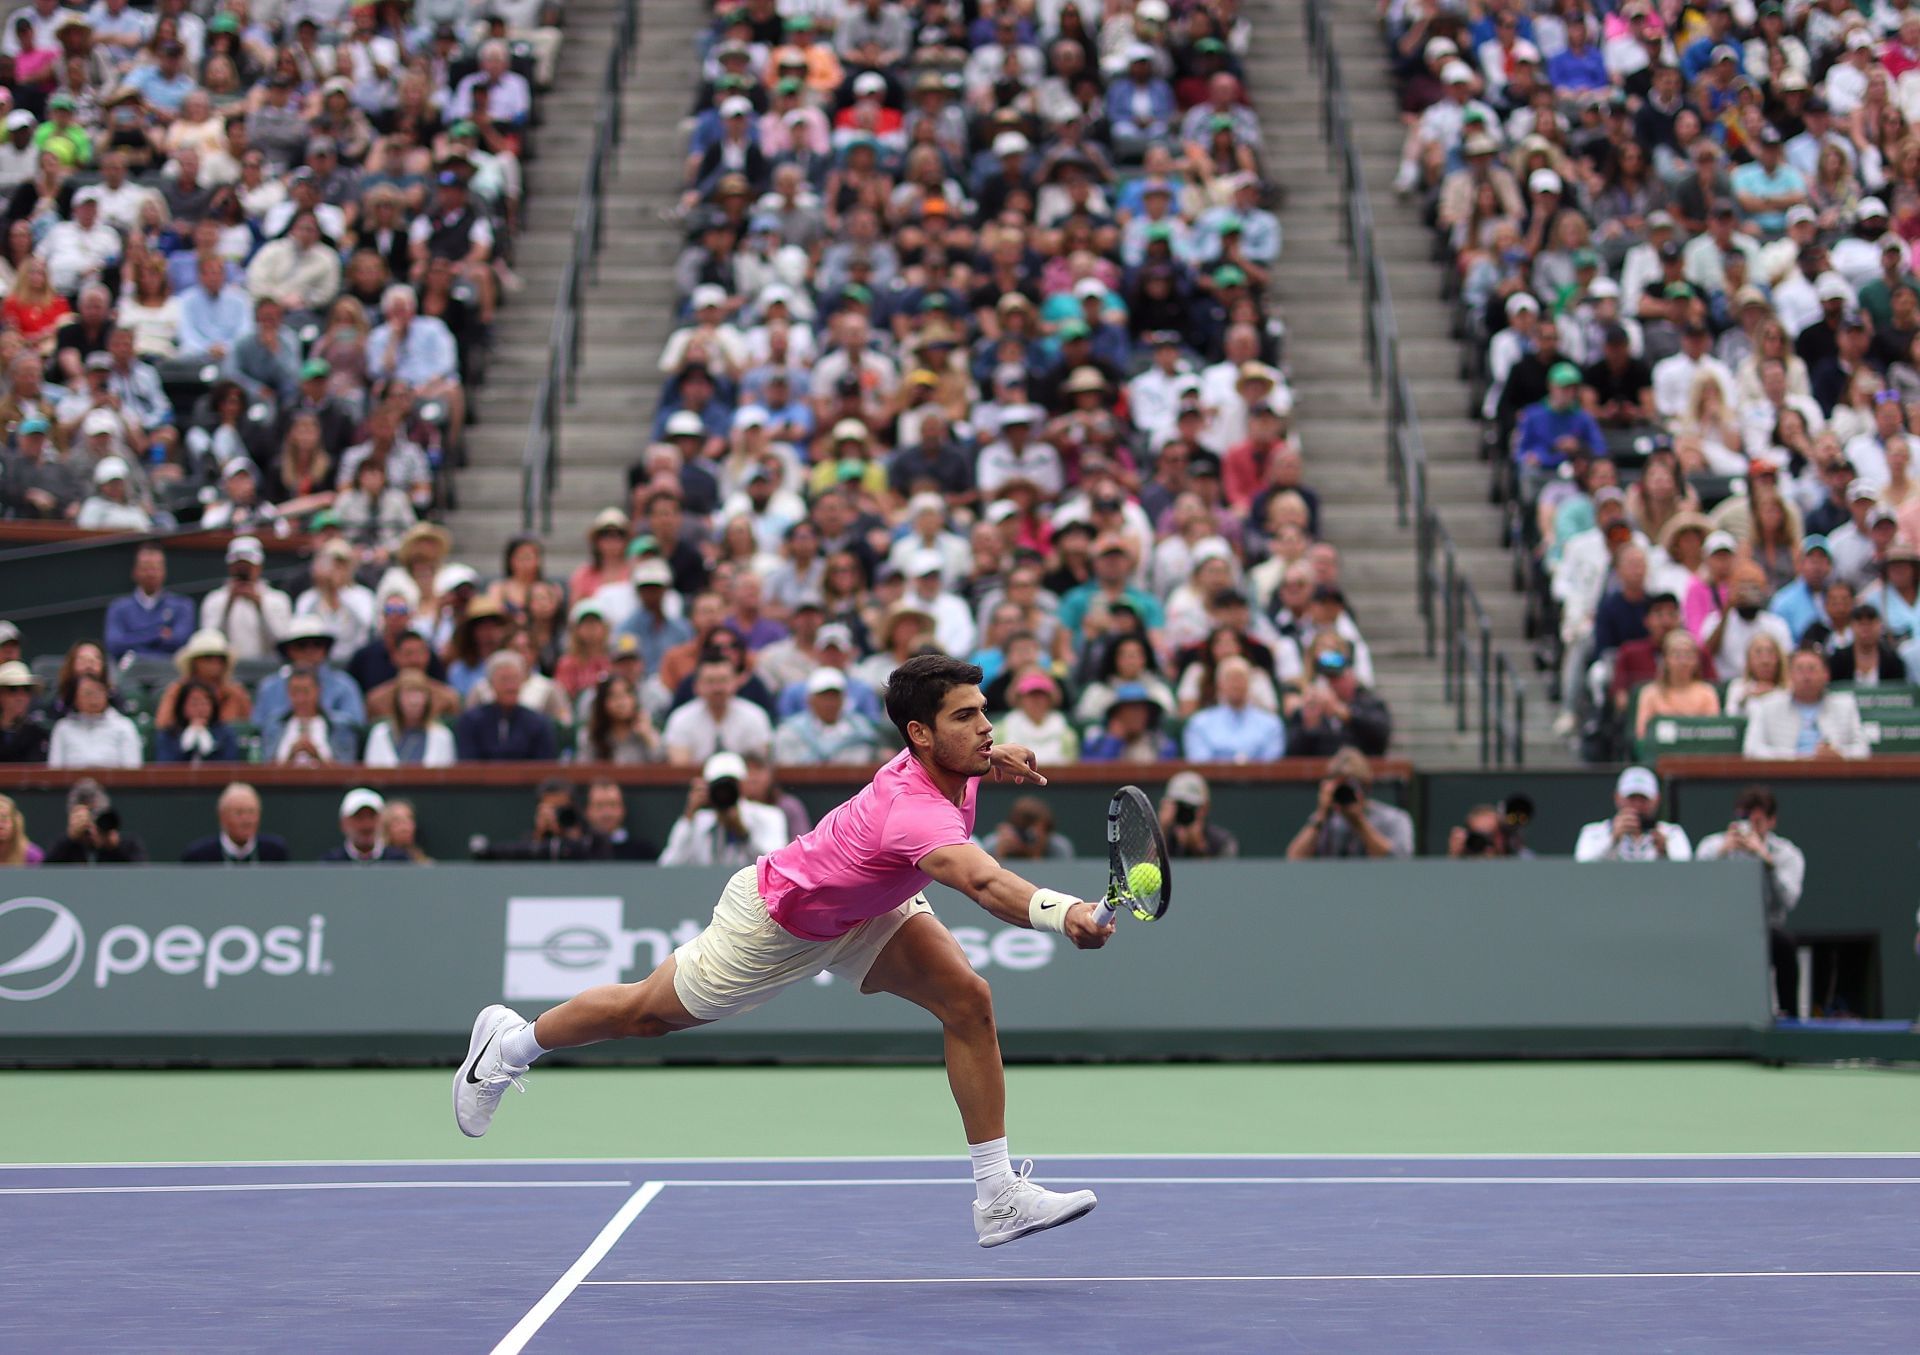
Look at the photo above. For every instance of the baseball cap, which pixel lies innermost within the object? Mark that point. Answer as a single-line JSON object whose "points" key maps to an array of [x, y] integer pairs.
{"points": [[1521, 301], [1456, 73], [924, 562], [708, 294], [652, 572], [111, 468], [834, 635], [826, 680], [1188, 788], [1861, 489], [1832, 287], [1010, 143], [1870, 207], [1815, 541], [237, 466], [361, 798], [736, 107], [850, 430], [1563, 374], [246, 548], [20, 118], [1719, 541], [455, 576], [1638, 781], [870, 82], [724, 767], [686, 424], [99, 421], [1543, 181], [33, 423]]}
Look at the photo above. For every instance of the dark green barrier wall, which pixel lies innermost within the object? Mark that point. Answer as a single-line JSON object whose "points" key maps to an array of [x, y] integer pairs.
{"points": [[1256, 958]]}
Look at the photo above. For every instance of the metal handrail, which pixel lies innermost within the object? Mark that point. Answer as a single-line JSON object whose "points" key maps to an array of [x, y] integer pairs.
{"points": [[1477, 680], [560, 387]]}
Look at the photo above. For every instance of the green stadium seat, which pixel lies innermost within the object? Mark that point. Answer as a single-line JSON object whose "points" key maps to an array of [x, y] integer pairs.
{"points": [[1671, 734], [1893, 732], [1890, 697]]}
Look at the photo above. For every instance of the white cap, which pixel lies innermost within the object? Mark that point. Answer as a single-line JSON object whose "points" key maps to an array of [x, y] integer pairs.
{"points": [[849, 430], [1000, 510], [724, 767], [736, 107], [1832, 287], [1153, 11], [750, 416], [246, 548], [1543, 181], [1870, 207], [1601, 288], [870, 82], [926, 502], [651, 572], [1010, 143], [1439, 47], [20, 118], [1093, 287], [686, 424], [360, 798], [99, 421], [1521, 301], [1861, 489], [924, 562], [110, 469], [306, 628], [1138, 51], [1801, 212], [1638, 781], [235, 466], [1524, 51], [1719, 541], [826, 680], [92, 194], [1211, 549], [708, 294], [1859, 38], [1456, 73], [455, 576]]}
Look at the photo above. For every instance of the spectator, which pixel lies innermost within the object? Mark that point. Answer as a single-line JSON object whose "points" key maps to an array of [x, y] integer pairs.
{"points": [[305, 736], [1036, 721], [361, 813], [828, 732], [606, 816], [112, 506], [618, 729], [150, 622], [94, 734], [1729, 633], [410, 736], [34, 481], [1336, 711], [206, 658], [94, 835], [16, 848], [249, 611], [305, 647], [717, 719], [1635, 832], [343, 608], [402, 831], [1347, 821], [239, 841], [1677, 688], [1551, 431], [1486, 835], [1027, 834], [1186, 820], [1132, 730], [1234, 729], [23, 730], [761, 788], [1756, 816], [720, 827], [1868, 660], [191, 728], [503, 730], [560, 832], [1806, 720]]}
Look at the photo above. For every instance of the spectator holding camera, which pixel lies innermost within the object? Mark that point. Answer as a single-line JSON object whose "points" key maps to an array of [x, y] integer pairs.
{"points": [[1335, 711], [94, 836], [1477, 839], [249, 611], [1184, 820], [720, 827], [1028, 834], [1635, 832], [560, 832], [1347, 821], [1756, 814]]}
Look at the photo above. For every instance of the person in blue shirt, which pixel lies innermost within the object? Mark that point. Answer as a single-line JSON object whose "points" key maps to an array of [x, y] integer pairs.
{"points": [[214, 316], [1112, 575], [1766, 187], [166, 84], [1581, 66], [1553, 430], [1140, 106], [1802, 602], [1132, 732], [1233, 729], [305, 647], [150, 622]]}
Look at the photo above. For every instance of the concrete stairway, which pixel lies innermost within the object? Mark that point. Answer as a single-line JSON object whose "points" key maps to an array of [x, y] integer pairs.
{"points": [[1341, 424], [629, 301]]}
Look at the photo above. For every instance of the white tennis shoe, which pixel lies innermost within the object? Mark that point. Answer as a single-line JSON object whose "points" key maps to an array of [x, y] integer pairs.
{"points": [[485, 1075], [1024, 1208]]}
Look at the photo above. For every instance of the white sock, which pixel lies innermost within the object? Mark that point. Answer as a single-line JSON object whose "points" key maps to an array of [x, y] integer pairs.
{"points": [[992, 1173], [518, 1047]]}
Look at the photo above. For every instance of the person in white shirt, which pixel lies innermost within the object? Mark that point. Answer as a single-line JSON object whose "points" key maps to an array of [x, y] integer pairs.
{"points": [[94, 734], [78, 251], [828, 731], [1805, 720], [1154, 395], [1018, 456], [1221, 393], [716, 720], [720, 826], [1727, 635], [953, 624], [1673, 377], [1636, 831], [109, 507], [927, 531], [1756, 814], [343, 606], [250, 612]]}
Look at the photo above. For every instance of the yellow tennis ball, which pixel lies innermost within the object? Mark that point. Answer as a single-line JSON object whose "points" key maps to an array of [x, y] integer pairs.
{"points": [[1144, 879]]}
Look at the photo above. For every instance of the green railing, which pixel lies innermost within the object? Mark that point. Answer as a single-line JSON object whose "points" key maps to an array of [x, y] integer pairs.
{"points": [[1480, 683]]}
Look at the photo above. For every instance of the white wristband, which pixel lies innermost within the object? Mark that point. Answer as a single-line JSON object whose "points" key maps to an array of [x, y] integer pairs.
{"points": [[1047, 910]]}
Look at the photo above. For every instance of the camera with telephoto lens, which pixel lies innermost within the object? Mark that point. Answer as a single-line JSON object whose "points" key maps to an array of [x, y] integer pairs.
{"points": [[1476, 844], [1185, 814], [566, 818], [723, 793], [1346, 793]]}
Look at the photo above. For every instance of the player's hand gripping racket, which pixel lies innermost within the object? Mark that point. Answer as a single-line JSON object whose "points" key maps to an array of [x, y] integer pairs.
{"points": [[1137, 872]]}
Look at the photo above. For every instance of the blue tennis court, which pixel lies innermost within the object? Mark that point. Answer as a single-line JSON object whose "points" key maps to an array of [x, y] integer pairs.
{"points": [[1776, 1253]]}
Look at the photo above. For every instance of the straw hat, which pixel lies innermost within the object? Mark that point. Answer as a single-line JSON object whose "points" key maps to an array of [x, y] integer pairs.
{"points": [[419, 537], [202, 644], [1684, 521]]}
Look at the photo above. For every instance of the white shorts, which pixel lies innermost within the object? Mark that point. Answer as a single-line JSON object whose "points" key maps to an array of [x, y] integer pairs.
{"points": [[744, 957]]}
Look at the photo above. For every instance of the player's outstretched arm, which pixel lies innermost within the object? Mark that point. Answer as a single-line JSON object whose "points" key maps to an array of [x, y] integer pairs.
{"points": [[1011, 762], [970, 870]]}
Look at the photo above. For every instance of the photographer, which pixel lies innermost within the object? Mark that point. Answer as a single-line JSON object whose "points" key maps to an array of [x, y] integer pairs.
{"points": [[560, 832], [1185, 823], [93, 831], [1756, 815], [1027, 835], [1635, 832], [1348, 821], [1492, 832], [719, 827]]}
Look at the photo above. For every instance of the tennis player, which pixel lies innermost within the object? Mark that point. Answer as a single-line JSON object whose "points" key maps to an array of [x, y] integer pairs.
{"points": [[847, 898]]}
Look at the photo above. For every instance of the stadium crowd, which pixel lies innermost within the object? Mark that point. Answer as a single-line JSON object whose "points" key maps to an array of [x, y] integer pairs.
{"points": [[1682, 237], [972, 352]]}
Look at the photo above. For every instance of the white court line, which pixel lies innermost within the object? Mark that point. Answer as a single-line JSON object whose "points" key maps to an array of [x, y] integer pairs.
{"points": [[529, 1326], [1077, 1179], [216, 1187], [1285, 1279], [803, 1160]]}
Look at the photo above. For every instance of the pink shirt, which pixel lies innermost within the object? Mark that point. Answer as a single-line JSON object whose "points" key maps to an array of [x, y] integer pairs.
{"points": [[863, 859]]}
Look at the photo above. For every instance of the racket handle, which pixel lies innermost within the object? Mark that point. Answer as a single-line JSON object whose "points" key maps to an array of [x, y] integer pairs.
{"points": [[1102, 914]]}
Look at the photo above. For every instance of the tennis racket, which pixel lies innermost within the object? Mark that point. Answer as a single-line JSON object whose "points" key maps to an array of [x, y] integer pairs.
{"points": [[1137, 871]]}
